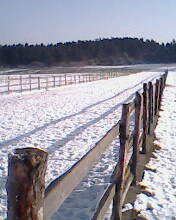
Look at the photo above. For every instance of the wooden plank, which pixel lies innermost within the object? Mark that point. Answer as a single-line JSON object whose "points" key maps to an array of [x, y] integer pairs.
{"points": [[130, 142], [61, 188], [104, 203], [116, 174], [131, 107], [127, 184]]}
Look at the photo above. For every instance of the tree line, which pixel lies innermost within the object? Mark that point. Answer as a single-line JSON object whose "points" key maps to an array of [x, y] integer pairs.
{"points": [[112, 51]]}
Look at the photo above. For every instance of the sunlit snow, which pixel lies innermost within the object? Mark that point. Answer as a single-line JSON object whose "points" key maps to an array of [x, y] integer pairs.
{"points": [[67, 122]]}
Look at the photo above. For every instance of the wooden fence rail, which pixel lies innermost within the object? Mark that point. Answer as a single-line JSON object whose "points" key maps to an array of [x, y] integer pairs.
{"points": [[145, 108], [14, 83]]}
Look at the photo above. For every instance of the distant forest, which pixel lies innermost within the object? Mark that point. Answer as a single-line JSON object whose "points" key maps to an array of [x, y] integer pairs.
{"points": [[112, 51]]}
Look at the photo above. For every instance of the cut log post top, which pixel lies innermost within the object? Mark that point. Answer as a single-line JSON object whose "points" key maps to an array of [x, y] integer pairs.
{"points": [[26, 183]]}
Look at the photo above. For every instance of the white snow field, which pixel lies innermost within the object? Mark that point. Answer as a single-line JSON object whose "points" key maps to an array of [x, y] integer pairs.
{"points": [[67, 122]]}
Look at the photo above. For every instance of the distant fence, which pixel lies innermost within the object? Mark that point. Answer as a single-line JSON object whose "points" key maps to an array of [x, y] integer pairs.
{"points": [[21, 83], [28, 167]]}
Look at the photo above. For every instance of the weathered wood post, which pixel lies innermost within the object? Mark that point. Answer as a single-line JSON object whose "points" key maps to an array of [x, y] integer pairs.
{"points": [[30, 83], [136, 135], [163, 83], [38, 82], [145, 117], [157, 97], [26, 184], [79, 78], [47, 83], [124, 141], [150, 110], [93, 76], [21, 84], [60, 80], [161, 90], [65, 79], [54, 84], [8, 84], [89, 77], [74, 79], [165, 77]]}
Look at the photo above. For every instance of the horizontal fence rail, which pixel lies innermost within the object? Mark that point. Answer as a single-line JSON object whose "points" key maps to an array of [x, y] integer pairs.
{"points": [[132, 130], [21, 83]]}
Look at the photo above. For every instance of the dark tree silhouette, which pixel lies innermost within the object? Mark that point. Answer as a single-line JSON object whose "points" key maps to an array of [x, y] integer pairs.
{"points": [[104, 51]]}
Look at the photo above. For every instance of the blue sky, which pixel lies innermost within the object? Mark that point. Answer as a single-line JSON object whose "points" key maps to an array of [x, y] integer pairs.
{"points": [[44, 21]]}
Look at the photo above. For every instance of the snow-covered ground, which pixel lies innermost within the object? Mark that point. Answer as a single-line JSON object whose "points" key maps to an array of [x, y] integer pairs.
{"points": [[67, 122], [161, 179]]}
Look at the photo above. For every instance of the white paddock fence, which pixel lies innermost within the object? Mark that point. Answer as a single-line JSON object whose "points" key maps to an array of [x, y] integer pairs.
{"points": [[21, 83]]}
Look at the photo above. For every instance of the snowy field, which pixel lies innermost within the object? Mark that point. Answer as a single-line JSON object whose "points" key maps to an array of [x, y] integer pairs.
{"points": [[67, 122]]}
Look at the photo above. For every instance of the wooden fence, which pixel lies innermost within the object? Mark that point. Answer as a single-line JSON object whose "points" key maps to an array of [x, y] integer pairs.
{"points": [[132, 134], [21, 83]]}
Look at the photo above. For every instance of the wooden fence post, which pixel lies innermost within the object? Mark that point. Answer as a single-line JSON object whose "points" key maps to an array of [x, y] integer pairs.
{"points": [[163, 85], [150, 110], [165, 77], [145, 117], [21, 84], [79, 79], [157, 97], [38, 82], [60, 80], [124, 136], [138, 116], [54, 84], [65, 79], [46, 82], [26, 184], [8, 84], [30, 83], [160, 91]]}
